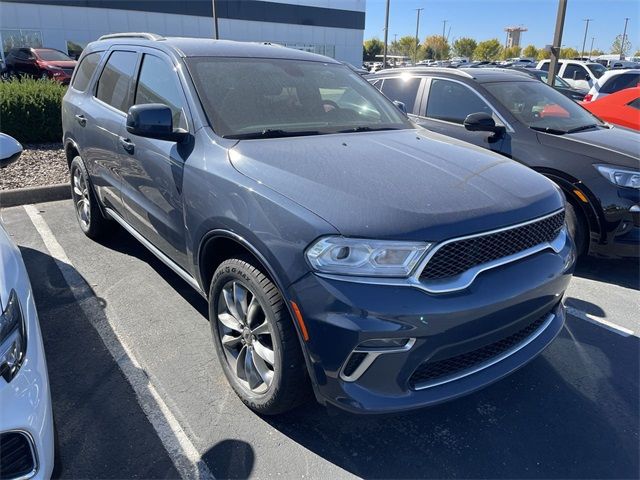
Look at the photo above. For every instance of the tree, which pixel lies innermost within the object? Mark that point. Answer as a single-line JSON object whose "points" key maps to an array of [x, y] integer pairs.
{"points": [[617, 47], [569, 52], [371, 48], [406, 46], [439, 45], [596, 53], [511, 52], [464, 47], [488, 50], [543, 54], [530, 51], [637, 54]]}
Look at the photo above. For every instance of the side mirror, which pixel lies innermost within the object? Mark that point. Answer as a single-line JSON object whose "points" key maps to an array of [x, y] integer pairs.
{"points": [[481, 122], [10, 150], [401, 106], [153, 120]]}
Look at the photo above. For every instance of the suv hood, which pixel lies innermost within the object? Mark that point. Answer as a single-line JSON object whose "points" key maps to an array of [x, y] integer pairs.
{"points": [[615, 145], [407, 184]]}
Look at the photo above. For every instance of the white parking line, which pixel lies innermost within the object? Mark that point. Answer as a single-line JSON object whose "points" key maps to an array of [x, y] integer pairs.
{"points": [[182, 452], [601, 322]]}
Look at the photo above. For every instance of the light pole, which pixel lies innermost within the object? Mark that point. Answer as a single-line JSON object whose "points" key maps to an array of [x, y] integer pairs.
{"points": [[557, 42], [584, 40], [386, 36], [215, 20], [415, 54], [591, 50], [444, 26], [624, 37]]}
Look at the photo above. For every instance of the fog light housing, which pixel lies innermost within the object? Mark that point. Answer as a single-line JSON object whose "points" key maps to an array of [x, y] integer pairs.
{"points": [[13, 339], [384, 343]]}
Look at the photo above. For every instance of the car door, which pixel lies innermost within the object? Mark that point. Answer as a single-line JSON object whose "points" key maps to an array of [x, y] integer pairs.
{"points": [[24, 63], [102, 117], [447, 103], [578, 76], [152, 173]]}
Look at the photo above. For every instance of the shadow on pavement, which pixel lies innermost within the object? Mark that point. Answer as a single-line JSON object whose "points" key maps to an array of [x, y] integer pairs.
{"points": [[101, 429], [624, 272], [231, 459]]}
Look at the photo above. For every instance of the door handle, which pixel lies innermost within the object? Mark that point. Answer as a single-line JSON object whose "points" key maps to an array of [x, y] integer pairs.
{"points": [[81, 120], [127, 144]]}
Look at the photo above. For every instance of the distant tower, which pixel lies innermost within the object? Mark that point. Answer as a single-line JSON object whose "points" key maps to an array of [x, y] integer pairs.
{"points": [[513, 36]]}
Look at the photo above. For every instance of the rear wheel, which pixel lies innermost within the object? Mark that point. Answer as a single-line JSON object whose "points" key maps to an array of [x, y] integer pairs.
{"points": [[90, 218], [577, 227], [255, 339]]}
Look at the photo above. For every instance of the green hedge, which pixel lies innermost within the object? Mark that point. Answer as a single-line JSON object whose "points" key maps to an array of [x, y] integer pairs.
{"points": [[30, 110]]}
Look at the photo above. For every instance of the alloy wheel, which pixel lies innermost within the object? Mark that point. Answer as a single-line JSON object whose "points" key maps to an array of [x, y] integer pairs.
{"points": [[81, 198], [246, 337]]}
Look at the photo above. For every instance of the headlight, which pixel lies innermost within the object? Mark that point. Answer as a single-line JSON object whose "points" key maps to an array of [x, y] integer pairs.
{"points": [[13, 341], [620, 176], [362, 257]]}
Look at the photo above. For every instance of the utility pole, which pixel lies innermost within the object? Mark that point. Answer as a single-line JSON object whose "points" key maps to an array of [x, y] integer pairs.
{"points": [[624, 37], [415, 54], [444, 26], [386, 36], [215, 20], [593, 39], [584, 40], [557, 42]]}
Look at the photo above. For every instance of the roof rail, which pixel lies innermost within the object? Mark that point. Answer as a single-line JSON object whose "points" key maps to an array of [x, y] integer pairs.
{"points": [[419, 68], [144, 35]]}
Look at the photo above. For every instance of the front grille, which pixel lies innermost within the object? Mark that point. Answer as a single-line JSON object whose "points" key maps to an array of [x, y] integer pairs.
{"points": [[16, 456], [459, 256], [431, 371]]}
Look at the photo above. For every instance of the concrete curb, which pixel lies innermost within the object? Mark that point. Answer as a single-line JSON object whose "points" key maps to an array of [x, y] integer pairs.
{"points": [[46, 193]]}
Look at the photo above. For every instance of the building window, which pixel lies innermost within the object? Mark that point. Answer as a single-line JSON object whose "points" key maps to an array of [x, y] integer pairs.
{"points": [[20, 38]]}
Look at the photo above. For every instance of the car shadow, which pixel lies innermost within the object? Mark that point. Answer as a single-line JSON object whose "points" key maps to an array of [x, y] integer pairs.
{"points": [[622, 272]]}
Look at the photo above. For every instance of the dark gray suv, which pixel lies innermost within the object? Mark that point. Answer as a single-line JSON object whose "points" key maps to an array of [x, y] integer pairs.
{"points": [[343, 250]]}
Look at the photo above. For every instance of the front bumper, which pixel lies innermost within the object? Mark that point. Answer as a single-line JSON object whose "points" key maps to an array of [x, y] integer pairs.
{"points": [[340, 315], [623, 233], [26, 400]]}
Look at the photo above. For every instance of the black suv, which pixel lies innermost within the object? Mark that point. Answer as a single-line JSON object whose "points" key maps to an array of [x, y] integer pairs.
{"points": [[339, 246], [508, 112]]}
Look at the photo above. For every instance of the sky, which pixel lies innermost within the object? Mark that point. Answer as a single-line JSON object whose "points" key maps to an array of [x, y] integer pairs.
{"points": [[485, 19]]}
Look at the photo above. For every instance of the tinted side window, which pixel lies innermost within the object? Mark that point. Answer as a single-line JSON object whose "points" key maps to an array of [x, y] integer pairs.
{"points": [[113, 86], [635, 103], [85, 71], [158, 83], [404, 90], [452, 101], [578, 70], [620, 82], [545, 66]]}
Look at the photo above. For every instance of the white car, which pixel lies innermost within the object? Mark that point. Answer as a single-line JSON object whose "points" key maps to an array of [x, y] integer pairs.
{"points": [[26, 420], [612, 82], [577, 73]]}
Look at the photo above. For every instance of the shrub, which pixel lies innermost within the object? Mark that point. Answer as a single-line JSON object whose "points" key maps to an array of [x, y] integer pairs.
{"points": [[30, 110]]}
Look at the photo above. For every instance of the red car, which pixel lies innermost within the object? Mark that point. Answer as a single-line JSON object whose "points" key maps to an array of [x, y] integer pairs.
{"points": [[620, 108], [40, 63]]}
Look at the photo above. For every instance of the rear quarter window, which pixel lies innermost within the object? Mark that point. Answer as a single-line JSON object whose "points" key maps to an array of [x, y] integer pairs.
{"points": [[620, 82], [85, 70], [114, 85]]}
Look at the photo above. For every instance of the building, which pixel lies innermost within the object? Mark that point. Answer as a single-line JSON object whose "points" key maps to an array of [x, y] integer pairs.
{"points": [[329, 27], [513, 36]]}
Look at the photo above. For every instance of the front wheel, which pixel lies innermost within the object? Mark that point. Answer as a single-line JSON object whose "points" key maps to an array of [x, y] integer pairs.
{"points": [[255, 339], [577, 228]]}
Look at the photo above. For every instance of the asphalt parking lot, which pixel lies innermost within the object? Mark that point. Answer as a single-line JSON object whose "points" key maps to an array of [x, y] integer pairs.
{"points": [[137, 391]]}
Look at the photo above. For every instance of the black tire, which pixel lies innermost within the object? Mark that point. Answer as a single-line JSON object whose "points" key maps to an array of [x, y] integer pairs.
{"points": [[91, 220], [289, 385], [577, 228]]}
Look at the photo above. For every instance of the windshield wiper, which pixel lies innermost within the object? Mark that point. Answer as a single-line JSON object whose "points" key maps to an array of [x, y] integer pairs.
{"points": [[366, 129], [552, 131], [584, 127], [272, 133]]}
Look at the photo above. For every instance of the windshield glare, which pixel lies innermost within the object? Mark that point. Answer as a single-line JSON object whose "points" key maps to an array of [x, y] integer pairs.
{"points": [[539, 106], [53, 56], [242, 96]]}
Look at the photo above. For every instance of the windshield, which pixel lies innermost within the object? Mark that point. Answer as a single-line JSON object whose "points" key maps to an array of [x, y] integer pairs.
{"points": [[597, 69], [254, 98], [541, 107], [52, 56]]}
